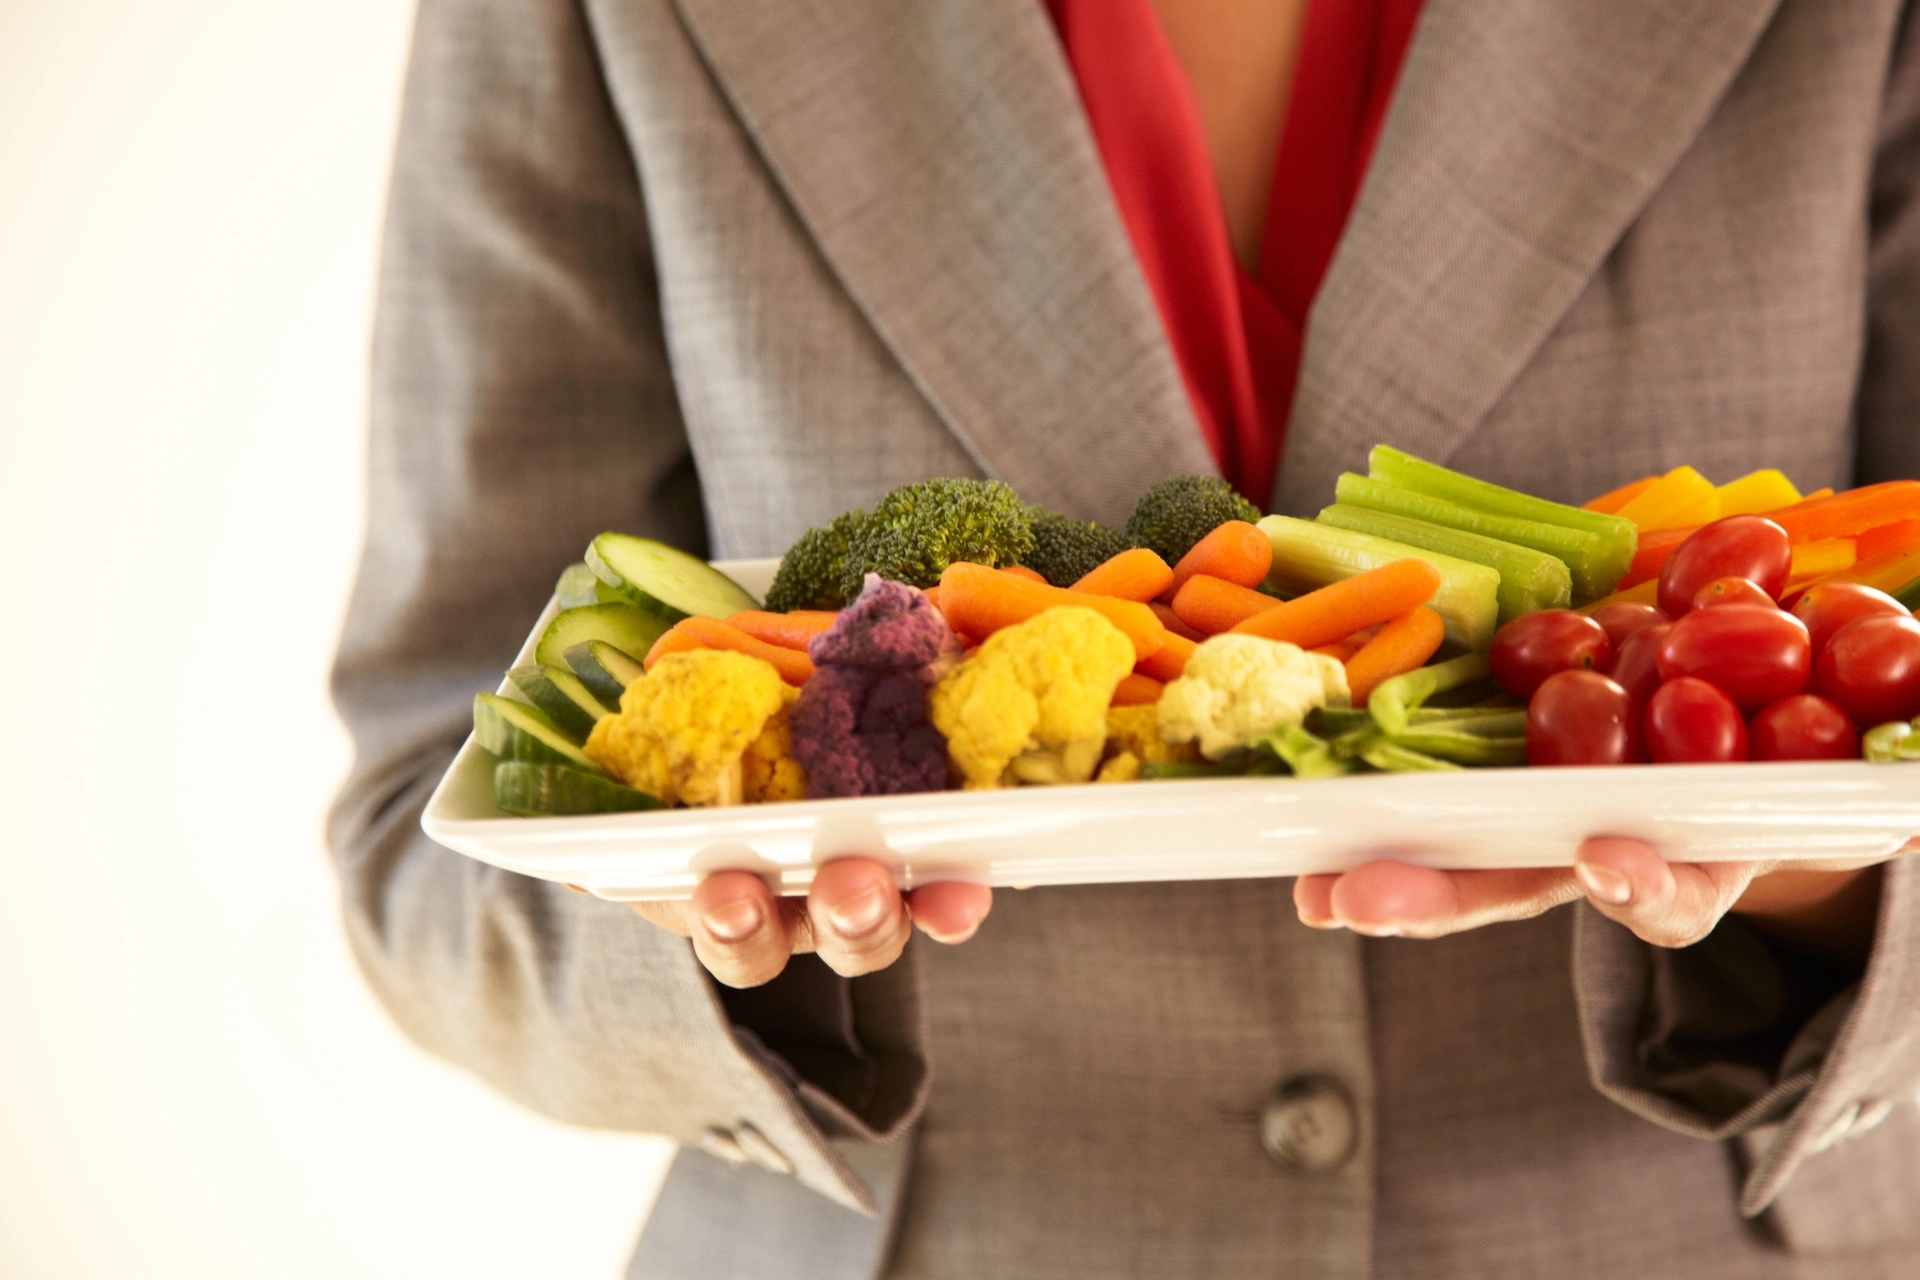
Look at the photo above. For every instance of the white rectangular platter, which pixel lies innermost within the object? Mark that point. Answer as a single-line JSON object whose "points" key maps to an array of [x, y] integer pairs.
{"points": [[1206, 829]]}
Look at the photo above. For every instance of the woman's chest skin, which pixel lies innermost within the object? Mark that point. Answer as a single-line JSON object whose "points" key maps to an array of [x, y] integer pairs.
{"points": [[1239, 56]]}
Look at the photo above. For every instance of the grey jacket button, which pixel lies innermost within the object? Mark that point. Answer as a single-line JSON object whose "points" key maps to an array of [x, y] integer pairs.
{"points": [[1309, 1126], [719, 1142], [761, 1151]]}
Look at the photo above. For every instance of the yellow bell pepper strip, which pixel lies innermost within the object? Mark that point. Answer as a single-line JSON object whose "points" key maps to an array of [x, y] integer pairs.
{"points": [[1756, 494], [1813, 561], [1681, 499]]}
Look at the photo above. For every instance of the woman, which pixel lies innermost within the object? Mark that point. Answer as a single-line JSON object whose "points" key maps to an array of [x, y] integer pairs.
{"points": [[714, 273]]}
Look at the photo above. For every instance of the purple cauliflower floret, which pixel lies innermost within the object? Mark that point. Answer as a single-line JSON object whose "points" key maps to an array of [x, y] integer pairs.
{"points": [[890, 627], [860, 727]]}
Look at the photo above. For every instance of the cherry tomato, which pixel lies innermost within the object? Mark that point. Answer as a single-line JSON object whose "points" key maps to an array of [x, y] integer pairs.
{"points": [[1582, 717], [1730, 591], [1535, 645], [1636, 668], [1871, 667], [1750, 547], [1691, 722], [1623, 617], [1803, 727], [1753, 654], [1832, 605]]}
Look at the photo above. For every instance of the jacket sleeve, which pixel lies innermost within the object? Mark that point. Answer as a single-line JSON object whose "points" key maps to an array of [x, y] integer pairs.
{"points": [[522, 402], [1735, 1036]]}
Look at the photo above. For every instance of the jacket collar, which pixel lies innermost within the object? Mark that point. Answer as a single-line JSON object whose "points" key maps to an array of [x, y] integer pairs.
{"points": [[939, 156], [1522, 142]]}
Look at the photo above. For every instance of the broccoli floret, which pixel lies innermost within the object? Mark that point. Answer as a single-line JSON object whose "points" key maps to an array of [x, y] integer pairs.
{"points": [[813, 569], [1065, 550], [1176, 513], [916, 531]]}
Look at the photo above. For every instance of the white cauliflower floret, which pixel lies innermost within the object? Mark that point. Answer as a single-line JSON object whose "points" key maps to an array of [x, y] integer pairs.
{"points": [[1237, 689]]}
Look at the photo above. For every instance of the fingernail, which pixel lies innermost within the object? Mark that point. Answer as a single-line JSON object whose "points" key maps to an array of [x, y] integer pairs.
{"points": [[1375, 930], [732, 921], [859, 915], [1604, 884], [1321, 924], [954, 939]]}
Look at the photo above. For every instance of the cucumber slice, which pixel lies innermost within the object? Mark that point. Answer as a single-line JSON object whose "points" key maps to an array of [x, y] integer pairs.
{"points": [[626, 628], [563, 697], [604, 669], [532, 790], [578, 587], [515, 731], [670, 584]]}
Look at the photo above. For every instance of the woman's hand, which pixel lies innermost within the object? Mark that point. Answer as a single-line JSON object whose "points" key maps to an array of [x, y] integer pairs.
{"points": [[853, 918], [1825, 909]]}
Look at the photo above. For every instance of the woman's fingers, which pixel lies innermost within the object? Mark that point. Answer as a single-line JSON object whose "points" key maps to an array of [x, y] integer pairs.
{"points": [[1398, 900], [739, 929], [859, 922], [1313, 900], [1666, 904], [950, 912]]}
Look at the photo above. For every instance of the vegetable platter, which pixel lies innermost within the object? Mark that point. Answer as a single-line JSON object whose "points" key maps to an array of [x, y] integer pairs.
{"points": [[965, 687]]}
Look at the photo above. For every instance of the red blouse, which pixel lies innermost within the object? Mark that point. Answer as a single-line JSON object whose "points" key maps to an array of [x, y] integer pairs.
{"points": [[1237, 337]]}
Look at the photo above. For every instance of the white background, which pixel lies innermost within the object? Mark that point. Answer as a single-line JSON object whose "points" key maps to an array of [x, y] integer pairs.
{"points": [[193, 1081]]}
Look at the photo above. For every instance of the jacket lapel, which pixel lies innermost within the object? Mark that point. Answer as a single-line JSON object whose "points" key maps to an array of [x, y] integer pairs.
{"points": [[939, 156], [1522, 142]]}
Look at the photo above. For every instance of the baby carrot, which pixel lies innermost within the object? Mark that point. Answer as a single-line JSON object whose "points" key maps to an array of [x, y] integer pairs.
{"points": [[1171, 661], [1401, 646], [1323, 616], [1135, 690], [1171, 621], [788, 630], [1138, 574], [933, 596], [1021, 571], [712, 633], [1234, 552], [672, 640], [1608, 503], [979, 601], [1210, 605], [1339, 651]]}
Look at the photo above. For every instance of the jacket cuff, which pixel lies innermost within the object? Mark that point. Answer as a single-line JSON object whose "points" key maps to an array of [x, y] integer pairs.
{"points": [[1734, 1036], [854, 1050]]}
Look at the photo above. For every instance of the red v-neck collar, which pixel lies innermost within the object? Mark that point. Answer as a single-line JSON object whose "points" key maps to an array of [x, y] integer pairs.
{"points": [[1236, 335]]}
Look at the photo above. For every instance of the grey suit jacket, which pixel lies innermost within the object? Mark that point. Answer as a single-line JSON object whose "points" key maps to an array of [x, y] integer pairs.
{"points": [[714, 271]]}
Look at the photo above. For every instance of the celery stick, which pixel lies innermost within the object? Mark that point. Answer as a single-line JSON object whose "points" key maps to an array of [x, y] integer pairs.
{"points": [[1570, 546], [1390, 757], [1308, 555], [1529, 580], [1618, 537], [1307, 755], [1392, 701], [1909, 595], [1474, 749]]}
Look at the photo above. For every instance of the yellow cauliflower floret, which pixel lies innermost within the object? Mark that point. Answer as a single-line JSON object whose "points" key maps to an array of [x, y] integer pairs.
{"points": [[1237, 689], [768, 771], [1135, 731], [1133, 739], [684, 727], [1031, 705]]}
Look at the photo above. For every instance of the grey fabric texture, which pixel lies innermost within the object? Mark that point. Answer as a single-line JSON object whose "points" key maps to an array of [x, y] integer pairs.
{"points": [[714, 272]]}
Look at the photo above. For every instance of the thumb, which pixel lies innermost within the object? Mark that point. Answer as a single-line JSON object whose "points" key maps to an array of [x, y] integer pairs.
{"points": [[1667, 904]]}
